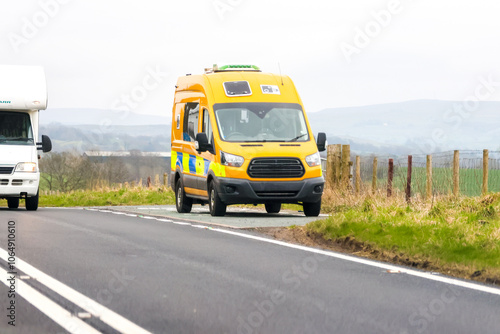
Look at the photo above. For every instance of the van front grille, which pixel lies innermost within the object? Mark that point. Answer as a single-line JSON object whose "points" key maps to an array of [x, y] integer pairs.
{"points": [[275, 168], [4, 182]]}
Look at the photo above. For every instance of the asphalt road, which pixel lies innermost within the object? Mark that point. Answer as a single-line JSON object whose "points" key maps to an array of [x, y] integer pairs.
{"points": [[142, 274]]}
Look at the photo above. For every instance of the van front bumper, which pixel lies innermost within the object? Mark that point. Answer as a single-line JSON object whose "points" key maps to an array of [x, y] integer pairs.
{"points": [[239, 191], [19, 185]]}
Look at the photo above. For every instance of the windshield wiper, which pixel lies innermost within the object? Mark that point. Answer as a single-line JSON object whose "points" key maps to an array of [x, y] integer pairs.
{"points": [[298, 137], [19, 139]]}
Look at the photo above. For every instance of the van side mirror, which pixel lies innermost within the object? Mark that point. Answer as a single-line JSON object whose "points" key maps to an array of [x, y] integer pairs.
{"points": [[321, 141], [45, 145], [201, 143]]}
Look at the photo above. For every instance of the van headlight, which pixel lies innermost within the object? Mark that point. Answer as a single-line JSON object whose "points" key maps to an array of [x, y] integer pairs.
{"points": [[313, 159], [27, 167], [231, 160]]}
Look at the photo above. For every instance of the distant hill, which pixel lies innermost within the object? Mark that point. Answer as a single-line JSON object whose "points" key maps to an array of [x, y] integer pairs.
{"points": [[422, 126], [102, 117], [146, 138], [413, 127]]}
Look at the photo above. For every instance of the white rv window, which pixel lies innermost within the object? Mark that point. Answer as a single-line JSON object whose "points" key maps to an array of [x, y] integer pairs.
{"points": [[15, 129]]}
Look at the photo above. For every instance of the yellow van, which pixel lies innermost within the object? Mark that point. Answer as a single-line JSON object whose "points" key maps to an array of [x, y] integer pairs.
{"points": [[240, 136]]}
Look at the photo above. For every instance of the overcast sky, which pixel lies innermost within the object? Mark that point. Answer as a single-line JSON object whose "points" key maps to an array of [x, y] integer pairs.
{"points": [[339, 53]]}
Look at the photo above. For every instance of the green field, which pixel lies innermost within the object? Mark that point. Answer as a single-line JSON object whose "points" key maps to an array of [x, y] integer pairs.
{"points": [[471, 180]]}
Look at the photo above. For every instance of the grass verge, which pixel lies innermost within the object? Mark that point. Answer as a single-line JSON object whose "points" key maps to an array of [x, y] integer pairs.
{"points": [[107, 197], [449, 234]]}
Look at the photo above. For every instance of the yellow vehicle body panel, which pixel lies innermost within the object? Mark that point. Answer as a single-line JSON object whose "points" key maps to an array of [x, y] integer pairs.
{"points": [[205, 91]]}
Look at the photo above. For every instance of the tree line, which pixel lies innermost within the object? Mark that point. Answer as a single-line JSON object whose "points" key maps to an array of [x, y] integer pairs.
{"points": [[70, 170]]}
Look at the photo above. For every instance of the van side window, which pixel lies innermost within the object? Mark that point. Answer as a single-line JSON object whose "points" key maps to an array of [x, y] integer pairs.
{"points": [[207, 126], [190, 126]]}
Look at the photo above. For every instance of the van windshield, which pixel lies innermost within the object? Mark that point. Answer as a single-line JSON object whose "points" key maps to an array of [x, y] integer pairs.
{"points": [[261, 122], [15, 129]]}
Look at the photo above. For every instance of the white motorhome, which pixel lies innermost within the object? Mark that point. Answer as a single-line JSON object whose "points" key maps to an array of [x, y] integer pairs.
{"points": [[23, 93]]}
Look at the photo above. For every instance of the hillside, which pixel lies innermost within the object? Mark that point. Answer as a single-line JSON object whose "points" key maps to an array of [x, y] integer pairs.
{"points": [[422, 126], [413, 127]]}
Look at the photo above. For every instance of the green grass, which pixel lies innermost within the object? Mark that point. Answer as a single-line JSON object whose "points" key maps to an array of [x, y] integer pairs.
{"points": [[471, 180], [450, 231], [136, 196]]}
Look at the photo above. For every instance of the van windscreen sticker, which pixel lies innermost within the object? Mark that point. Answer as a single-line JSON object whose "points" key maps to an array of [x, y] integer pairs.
{"points": [[270, 89]]}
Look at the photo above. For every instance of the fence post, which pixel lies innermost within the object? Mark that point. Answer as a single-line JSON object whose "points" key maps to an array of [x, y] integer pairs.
{"points": [[390, 177], [428, 189], [165, 179], [485, 171], [408, 179], [358, 175], [346, 170], [374, 176], [456, 173], [333, 159]]}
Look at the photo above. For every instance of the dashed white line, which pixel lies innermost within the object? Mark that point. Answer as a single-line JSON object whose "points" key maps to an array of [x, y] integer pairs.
{"points": [[107, 316], [52, 310]]}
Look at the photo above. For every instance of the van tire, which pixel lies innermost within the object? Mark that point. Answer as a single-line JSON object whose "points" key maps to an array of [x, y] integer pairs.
{"points": [[217, 207], [312, 209], [32, 203], [13, 203], [273, 207], [182, 202]]}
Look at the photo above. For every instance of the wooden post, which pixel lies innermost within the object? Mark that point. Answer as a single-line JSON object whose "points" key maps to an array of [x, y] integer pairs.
{"points": [[485, 171], [456, 173], [333, 160], [408, 179], [374, 176], [346, 170], [428, 189], [165, 179], [358, 175], [390, 177]]}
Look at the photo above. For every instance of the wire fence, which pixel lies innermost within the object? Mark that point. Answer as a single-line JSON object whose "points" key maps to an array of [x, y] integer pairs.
{"points": [[470, 173]]}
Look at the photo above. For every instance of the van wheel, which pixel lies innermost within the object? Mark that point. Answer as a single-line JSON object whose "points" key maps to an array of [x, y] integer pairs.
{"points": [[32, 203], [312, 209], [273, 207], [13, 203], [182, 202], [217, 207]]}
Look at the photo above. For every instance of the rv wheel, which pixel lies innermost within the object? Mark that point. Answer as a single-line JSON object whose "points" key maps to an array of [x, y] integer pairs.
{"points": [[32, 203], [13, 203]]}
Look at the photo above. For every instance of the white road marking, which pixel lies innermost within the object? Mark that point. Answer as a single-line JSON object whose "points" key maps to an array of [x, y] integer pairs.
{"points": [[107, 316], [387, 267], [426, 275], [52, 310]]}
